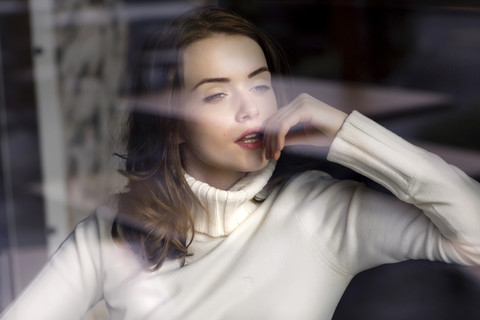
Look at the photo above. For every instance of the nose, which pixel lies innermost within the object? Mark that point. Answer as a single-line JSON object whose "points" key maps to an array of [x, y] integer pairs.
{"points": [[247, 109]]}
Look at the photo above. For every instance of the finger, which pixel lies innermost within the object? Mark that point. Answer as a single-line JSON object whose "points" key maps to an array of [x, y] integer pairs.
{"points": [[278, 127], [275, 132]]}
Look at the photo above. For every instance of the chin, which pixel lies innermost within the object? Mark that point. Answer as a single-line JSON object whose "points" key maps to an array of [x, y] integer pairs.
{"points": [[250, 162], [258, 165]]}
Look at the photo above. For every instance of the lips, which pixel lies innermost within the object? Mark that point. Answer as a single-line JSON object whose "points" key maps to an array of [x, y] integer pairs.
{"points": [[252, 139]]}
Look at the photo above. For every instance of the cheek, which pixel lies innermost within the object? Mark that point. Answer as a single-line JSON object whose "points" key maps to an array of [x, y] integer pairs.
{"points": [[272, 104], [198, 115], [215, 122], [204, 130]]}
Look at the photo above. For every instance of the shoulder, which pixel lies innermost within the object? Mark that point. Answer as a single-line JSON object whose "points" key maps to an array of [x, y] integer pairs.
{"points": [[312, 193], [95, 228], [314, 183]]}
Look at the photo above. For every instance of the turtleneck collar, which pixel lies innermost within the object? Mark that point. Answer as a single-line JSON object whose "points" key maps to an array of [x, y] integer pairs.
{"points": [[226, 209]]}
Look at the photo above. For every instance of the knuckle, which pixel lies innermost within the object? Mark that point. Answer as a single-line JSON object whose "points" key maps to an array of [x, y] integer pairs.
{"points": [[303, 99], [305, 96]]}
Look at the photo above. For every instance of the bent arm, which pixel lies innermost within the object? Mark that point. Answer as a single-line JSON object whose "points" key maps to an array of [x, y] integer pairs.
{"points": [[444, 221]]}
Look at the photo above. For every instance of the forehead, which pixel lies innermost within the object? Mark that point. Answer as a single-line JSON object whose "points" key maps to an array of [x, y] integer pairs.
{"points": [[221, 56]]}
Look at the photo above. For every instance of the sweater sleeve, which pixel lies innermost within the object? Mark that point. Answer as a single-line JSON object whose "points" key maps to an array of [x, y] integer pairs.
{"points": [[69, 285], [438, 217]]}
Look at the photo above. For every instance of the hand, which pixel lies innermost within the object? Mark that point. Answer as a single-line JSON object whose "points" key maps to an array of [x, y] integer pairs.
{"points": [[304, 121]]}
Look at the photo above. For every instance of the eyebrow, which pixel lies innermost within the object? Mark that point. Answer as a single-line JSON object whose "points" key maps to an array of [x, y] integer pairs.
{"points": [[226, 80]]}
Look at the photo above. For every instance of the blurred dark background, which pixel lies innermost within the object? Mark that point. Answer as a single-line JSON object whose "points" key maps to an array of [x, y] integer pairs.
{"points": [[416, 62]]}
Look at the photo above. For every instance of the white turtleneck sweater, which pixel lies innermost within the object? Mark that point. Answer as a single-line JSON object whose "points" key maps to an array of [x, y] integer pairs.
{"points": [[290, 256]]}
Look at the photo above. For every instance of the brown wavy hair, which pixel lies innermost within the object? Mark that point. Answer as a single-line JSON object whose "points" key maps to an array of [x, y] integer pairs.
{"points": [[155, 213]]}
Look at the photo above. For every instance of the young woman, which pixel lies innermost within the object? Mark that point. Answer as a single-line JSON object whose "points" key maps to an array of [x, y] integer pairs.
{"points": [[209, 228]]}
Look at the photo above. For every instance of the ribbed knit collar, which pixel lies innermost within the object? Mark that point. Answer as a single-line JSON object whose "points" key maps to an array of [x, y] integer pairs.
{"points": [[226, 209]]}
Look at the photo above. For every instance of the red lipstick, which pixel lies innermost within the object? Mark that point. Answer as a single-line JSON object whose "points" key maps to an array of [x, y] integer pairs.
{"points": [[251, 139]]}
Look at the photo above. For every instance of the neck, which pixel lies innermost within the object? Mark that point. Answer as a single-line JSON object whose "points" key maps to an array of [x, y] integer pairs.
{"points": [[221, 180], [222, 208]]}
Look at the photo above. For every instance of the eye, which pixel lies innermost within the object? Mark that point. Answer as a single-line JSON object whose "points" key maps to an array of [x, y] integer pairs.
{"points": [[261, 89], [217, 97]]}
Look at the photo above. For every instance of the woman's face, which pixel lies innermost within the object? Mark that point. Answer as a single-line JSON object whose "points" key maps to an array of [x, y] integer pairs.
{"points": [[227, 97]]}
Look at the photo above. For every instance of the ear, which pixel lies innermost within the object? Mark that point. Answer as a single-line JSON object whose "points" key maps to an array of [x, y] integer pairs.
{"points": [[179, 137]]}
